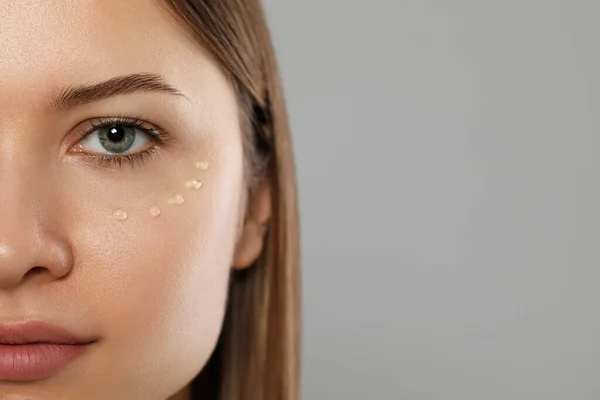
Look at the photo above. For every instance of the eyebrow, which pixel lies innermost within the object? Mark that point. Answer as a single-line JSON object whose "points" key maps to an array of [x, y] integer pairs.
{"points": [[74, 96]]}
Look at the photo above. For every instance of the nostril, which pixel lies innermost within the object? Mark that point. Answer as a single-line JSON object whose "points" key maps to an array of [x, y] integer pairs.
{"points": [[35, 271]]}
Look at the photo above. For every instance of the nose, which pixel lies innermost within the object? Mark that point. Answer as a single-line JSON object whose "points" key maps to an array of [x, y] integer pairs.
{"points": [[27, 256], [31, 247]]}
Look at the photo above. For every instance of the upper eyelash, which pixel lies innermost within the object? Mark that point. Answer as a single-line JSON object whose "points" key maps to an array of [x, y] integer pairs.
{"points": [[136, 122]]}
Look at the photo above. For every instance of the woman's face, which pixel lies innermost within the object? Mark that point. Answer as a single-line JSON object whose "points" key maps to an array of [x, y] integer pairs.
{"points": [[121, 194]]}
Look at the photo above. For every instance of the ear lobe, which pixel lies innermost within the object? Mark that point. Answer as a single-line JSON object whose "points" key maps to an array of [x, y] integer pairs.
{"points": [[251, 242]]}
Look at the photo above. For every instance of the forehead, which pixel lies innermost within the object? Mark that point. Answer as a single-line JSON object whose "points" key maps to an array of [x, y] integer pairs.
{"points": [[66, 41]]}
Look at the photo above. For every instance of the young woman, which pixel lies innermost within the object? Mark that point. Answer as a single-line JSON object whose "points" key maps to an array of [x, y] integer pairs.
{"points": [[148, 222]]}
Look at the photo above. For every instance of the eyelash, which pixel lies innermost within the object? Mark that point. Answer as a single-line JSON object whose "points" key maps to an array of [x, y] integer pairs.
{"points": [[160, 136]]}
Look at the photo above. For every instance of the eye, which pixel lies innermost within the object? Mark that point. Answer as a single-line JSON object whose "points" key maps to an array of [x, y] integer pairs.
{"points": [[114, 138], [120, 140]]}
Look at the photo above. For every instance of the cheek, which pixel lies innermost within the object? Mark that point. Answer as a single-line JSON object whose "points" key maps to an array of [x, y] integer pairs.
{"points": [[157, 282]]}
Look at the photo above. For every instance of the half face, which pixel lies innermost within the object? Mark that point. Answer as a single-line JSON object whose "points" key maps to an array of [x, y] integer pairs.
{"points": [[121, 179]]}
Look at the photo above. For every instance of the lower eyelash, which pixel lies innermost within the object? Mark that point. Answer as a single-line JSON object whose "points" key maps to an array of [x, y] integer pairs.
{"points": [[134, 159]]}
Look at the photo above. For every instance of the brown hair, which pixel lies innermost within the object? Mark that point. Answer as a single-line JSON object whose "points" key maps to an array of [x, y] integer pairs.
{"points": [[257, 356]]}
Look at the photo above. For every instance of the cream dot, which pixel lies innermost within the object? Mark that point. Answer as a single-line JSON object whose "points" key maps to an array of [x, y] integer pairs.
{"points": [[154, 211], [193, 184], [119, 215], [177, 199], [203, 165]]}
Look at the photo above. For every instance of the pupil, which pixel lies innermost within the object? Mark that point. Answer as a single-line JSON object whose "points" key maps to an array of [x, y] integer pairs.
{"points": [[116, 133]]}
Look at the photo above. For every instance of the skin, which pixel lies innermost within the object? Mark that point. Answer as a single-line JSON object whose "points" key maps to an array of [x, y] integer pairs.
{"points": [[151, 290]]}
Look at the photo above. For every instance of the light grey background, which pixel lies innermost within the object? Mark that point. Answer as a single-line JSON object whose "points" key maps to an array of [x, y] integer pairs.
{"points": [[447, 161]]}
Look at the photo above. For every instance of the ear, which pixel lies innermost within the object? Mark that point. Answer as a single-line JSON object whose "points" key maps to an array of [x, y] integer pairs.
{"points": [[252, 238]]}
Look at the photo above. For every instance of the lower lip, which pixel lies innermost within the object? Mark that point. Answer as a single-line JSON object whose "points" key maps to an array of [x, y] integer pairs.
{"points": [[35, 361]]}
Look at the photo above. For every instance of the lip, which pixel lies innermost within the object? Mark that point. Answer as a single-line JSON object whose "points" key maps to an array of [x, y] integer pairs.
{"points": [[36, 350]]}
